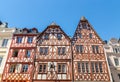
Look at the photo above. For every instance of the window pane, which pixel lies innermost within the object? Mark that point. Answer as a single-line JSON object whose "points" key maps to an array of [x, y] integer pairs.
{"points": [[63, 68], [25, 68], [92, 66], [19, 39], [59, 69], [40, 68], [96, 67], [90, 35], [15, 53], [1, 60], [30, 39], [97, 49], [28, 53], [59, 36], [83, 67], [80, 35], [46, 36], [100, 66], [93, 48], [5, 41], [87, 67], [79, 48], [12, 68], [116, 61], [79, 67]]}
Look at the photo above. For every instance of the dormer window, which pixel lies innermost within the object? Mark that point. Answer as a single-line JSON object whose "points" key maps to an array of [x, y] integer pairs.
{"points": [[46, 36], [59, 36]]}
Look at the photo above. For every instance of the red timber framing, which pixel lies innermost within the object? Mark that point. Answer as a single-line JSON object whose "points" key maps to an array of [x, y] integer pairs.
{"points": [[89, 62], [20, 62], [53, 58]]}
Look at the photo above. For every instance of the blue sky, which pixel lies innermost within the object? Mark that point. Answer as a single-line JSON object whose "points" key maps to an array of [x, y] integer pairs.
{"points": [[104, 15]]}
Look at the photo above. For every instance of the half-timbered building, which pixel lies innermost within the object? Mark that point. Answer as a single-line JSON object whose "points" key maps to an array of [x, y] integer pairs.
{"points": [[53, 56], [20, 62], [89, 61]]}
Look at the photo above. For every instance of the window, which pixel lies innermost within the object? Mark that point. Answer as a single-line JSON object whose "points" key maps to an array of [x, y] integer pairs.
{"points": [[4, 44], [25, 68], [79, 48], [83, 67], [1, 60], [84, 26], [87, 67], [59, 36], [19, 39], [95, 49], [30, 39], [119, 76], [92, 66], [61, 50], [79, 67], [100, 67], [96, 67], [46, 36], [28, 53], [43, 68], [90, 35], [43, 50], [80, 35], [61, 68], [12, 68], [116, 61], [15, 53]]}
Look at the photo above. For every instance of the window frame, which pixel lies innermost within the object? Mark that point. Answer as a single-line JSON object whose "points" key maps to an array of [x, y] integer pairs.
{"points": [[44, 50], [12, 68], [59, 36], [4, 42], [43, 71], [24, 69], [14, 53], [61, 70], [26, 55], [19, 39], [116, 62], [79, 49], [61, 50], [1, 59], [29, 39]]}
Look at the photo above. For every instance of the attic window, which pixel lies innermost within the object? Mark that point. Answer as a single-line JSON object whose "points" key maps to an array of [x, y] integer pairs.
{"points": [[90, 35], [46, 36], [80, 35], [84, 26], [59, 36]]}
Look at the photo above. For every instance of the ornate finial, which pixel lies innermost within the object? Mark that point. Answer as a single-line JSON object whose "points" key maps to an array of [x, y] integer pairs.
{"points": [[53, 23], [83, 18]]}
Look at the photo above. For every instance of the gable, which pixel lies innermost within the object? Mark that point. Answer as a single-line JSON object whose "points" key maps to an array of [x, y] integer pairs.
{"points": [[85, 33]]}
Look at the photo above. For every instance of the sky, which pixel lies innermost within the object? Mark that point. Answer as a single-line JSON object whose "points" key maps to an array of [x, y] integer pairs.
{"points": [[103, 15]]}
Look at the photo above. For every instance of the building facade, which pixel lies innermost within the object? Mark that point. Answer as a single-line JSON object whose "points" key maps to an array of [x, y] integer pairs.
{"points": [[20, 61], [53, 58], [89, 61], [112, 49], [5, 41]]}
